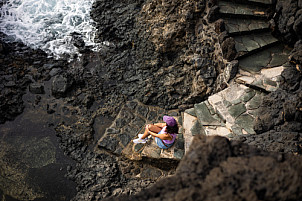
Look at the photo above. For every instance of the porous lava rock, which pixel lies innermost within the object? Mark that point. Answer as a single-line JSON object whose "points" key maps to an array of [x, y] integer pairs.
{"points": [[288, 18], [228, 48], [20, 66], [217, 169], [60, 85], [162, 53]]}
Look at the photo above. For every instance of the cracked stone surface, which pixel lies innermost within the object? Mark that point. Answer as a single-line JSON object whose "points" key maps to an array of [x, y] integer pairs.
{"points": [[236, 25], [268, 2], [233, 109], [249, 43], [267, 79], [131, 121], [271, 57], [241, 9], [204, 115]]}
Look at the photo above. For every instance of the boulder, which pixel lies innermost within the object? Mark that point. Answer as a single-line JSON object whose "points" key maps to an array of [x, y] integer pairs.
{"points": [[55, 71], [228, 49], [213, 14], [219, 26], [297, 24], [286, 19], [77, 40], [60, 85], [36, 88]]}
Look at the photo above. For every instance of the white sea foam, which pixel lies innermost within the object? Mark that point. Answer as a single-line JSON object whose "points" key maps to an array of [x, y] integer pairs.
{"points": [[48, 24]]}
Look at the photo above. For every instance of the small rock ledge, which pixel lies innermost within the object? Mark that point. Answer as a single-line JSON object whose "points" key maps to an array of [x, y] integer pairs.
{"points": [[131, 121]]}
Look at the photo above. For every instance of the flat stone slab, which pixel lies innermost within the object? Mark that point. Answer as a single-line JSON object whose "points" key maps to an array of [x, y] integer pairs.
{"points": [[271, 57], [131, 121], [246, 122], [191, 111], [191, 127], [268, 79], [249, 43], [204, 115], [231, 8], [217, 130], [239, 26], [268, 2], [234, 105], [236, 110]]}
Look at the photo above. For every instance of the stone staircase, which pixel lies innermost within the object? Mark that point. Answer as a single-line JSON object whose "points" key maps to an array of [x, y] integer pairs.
{"points": [[229, 113], [247, 23], [262, 59]]}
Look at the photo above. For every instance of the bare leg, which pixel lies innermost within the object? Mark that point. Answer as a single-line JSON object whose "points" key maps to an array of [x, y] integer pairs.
{"points": [[152, 128]]}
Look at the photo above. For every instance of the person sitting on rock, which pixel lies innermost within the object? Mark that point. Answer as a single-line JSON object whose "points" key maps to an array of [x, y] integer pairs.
{"points": [[164, 133]]}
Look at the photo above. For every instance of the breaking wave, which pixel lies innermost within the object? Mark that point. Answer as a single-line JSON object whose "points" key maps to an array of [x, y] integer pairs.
{"points": [[48, 24]]}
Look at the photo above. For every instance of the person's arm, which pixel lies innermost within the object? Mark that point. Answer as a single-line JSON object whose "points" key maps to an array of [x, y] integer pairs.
{"points": [[161, 125], [163, 136]]}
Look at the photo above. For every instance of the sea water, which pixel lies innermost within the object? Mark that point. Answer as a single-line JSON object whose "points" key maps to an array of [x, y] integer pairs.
{"points": [[48, 24]]}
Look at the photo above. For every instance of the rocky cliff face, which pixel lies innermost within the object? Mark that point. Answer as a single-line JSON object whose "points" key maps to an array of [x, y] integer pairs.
{"points": [[160, 52], [18, 70]]}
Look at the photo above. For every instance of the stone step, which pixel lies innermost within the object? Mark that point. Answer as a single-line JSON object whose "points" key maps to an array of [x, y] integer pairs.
{"points": [[244, 26], [228, 113], [131, 121], [256, 2], [231, 9], [248, 44], [266, 2], [231, 112], [270, 57], [268, 79]]}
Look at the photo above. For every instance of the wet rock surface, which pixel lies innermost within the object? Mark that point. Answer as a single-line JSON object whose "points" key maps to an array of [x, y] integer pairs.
{"points": [[18, 70]]}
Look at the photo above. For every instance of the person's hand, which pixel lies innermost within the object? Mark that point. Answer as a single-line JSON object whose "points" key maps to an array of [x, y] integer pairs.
{"points": [[148, 127]]}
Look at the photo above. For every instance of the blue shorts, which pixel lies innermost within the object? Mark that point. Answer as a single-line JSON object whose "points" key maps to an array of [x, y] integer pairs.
{"points": [[160, 143]]}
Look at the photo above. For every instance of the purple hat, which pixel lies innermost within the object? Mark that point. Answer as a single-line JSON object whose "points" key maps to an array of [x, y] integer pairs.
{"points": [[170, 121]]}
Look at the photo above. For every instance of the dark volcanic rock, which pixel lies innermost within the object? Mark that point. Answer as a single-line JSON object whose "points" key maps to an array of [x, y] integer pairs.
{"points": [[281, 110], [218, 169], [288, 19], [36, 88], [275, 141], [20, 65], [228, 49], [161, 53], [213, 14], [60, 85], [279, 123], [296, 54]]}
